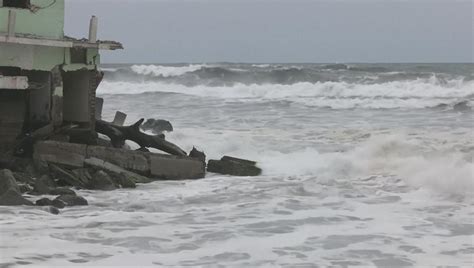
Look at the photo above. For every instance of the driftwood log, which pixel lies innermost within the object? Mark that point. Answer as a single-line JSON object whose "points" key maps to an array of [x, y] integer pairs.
{"points": [[119, 134]]}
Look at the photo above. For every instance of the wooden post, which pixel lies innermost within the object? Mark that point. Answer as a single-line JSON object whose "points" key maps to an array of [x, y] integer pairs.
{"points": [[11, 22], [93, 29]]}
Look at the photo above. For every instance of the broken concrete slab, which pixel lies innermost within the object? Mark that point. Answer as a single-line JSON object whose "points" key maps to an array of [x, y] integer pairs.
{"points": [[67, 177], [234, 166], [114, 169], [176, 168], [64, 153], [119, 118], [238, 160], [130, 160]]}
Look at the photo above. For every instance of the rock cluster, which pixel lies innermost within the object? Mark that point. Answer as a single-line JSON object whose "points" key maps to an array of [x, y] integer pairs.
{"points": [[42, 178], [59, 168]]}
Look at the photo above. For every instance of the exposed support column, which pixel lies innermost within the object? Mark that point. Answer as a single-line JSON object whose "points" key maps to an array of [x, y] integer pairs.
{"points": [[11, 22], [93, 29], [1, 3]]}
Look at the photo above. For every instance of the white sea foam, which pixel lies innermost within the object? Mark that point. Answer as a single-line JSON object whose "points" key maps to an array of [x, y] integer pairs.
{"points": [[338, 95], [446, 172], [165, 71]]}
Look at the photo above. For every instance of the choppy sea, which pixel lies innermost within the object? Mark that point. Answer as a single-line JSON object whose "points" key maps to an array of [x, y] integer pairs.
{"points": [[364, 165]]}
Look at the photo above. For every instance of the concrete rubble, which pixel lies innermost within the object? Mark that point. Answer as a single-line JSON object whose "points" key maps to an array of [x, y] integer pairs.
{"points": [[234, 166]]}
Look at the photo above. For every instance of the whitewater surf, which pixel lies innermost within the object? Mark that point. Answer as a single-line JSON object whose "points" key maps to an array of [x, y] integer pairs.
{"points": [[364, 164]]}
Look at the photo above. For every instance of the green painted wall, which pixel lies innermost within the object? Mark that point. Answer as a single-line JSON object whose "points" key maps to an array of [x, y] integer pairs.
{"points": [[30, 57], [45, 21], [44, 58]]}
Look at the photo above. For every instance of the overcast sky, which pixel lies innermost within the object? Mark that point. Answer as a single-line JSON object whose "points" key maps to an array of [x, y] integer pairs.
{"points": [[171, 31]]}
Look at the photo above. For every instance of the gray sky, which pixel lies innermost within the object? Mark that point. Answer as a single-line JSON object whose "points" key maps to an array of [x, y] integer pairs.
{"points": [[170, 31]]}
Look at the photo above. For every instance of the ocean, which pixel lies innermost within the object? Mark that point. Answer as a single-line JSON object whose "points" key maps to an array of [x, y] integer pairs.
{"points": [[363, 165]]}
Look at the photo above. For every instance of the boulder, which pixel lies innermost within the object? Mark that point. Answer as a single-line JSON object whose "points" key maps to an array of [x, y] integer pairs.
{"points": [[53, 210], [25, 188], [62, 191], [58, 203], [23, 177], [234, 166], [43, 202], [7, 182], [101, 181], [72, 200], [14, 198], [124, 181], [83, 175], [43, 185]]}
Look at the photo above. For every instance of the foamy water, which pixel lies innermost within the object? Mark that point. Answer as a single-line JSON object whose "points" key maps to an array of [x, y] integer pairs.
{"points": [[371, 174]]}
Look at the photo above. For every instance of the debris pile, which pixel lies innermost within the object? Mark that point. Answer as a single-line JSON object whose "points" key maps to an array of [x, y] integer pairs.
{"points": [[57, 167]]}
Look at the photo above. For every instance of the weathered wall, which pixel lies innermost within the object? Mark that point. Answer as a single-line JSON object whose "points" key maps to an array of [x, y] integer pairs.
{"points": [[12, 115], [26, 57], [76, 96], [45, 22], [40, 98]]}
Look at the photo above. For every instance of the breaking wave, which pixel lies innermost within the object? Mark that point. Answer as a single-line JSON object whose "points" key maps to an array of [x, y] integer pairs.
{"points": [[419, 93], [164, 71], [447, 171], [215, 75]]}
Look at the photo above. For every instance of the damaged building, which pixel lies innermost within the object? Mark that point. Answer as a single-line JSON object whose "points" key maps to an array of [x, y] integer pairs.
{"points": [[49, 112], [46, 78]]}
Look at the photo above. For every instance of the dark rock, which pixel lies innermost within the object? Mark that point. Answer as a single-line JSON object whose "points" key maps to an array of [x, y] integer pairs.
{"points": [[66, 177], [83, 174], [157, 126], [43, 185], [14, 198], [7, 182], [234, 166], [53, 210], [58, 203], [44, 202], [25, 188], [124, 181], [101, 181], [62, 191], [23, 177], [40, 166], [197, 154], [72, 200]]}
